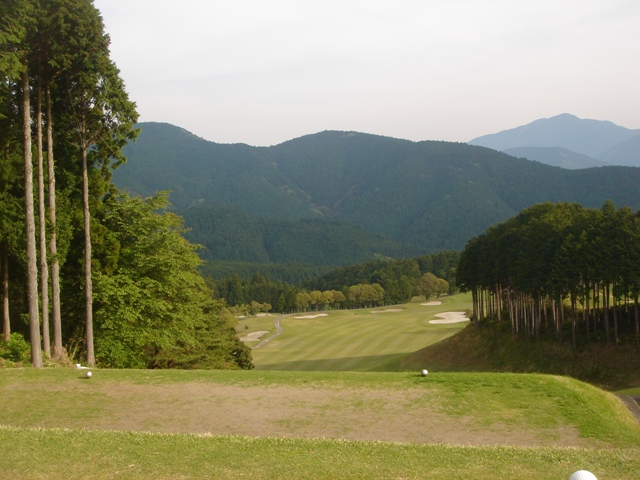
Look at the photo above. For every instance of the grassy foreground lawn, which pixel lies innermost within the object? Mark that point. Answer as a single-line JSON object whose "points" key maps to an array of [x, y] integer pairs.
{"points": [[202, 424], [357, 340], [81, 454]]}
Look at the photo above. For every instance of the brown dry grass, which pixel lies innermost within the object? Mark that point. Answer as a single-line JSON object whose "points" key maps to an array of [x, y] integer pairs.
{"points": [[411, 415]]}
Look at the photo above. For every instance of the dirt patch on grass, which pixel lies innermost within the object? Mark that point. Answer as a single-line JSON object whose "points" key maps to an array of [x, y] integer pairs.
{"points": [[412, 415], [431, 304], [312, 316], [254, 336]]}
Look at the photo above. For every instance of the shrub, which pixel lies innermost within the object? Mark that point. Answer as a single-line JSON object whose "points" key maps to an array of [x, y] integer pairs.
{"points": [[17, 349]]}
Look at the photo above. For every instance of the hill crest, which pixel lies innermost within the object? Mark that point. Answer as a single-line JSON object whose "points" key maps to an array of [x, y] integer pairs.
{"points": [[583, 136], [425, 196]]}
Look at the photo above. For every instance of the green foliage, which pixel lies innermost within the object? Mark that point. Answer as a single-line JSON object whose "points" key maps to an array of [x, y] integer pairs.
{"points": [[397, 277], [428, 285], [17, 349], [153, 309], [550, 253]]}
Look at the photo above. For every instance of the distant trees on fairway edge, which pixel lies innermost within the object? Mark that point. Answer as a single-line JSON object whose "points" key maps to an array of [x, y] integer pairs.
{"points": [[365, 285], [556, 268]]}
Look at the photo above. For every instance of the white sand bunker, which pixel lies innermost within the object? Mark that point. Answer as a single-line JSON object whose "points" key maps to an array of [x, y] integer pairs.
{"points": [[387, 310], [313, 316], [450, 317], [431, 304], [253, 336]]}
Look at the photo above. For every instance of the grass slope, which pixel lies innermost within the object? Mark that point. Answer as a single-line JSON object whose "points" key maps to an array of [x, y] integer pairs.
{"points": [[38, 406], [492, 348], [357, 340]]}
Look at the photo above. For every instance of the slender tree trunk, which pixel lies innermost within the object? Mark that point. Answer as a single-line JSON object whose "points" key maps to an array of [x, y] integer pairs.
{"points": [[44, 267], [474, 305], [587, 315], [636, 310], [605, 306], [518, 312], [91, 360], [512, 313], [596, 304], [554, 312], [615, 318], [540, 304], [30, 229], [53, 240], [574, 321], [6, 323], [560, 318]]}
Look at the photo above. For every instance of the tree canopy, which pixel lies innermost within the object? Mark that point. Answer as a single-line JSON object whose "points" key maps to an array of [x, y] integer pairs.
{"points": [[62, 98], [556, 262]]}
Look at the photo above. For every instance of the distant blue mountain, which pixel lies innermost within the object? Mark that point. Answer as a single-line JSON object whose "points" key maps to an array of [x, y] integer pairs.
{"points": [[599, 140], [626, 154], [556, 156]]}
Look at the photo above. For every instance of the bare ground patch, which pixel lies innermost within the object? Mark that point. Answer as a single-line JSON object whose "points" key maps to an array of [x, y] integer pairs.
{"points": [[412, 415]]}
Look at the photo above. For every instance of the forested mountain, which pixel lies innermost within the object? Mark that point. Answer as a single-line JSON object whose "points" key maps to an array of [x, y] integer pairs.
{"points": [[229, 233], [600, 141], [424, 196]]}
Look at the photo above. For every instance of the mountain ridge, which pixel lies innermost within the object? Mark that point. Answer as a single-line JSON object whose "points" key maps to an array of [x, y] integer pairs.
{"points": [[424, 196], [597, 139]]}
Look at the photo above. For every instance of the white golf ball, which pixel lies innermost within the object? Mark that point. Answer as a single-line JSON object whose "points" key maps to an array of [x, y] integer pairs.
{"points": [[88, 375], [582, 475], [424, 372]]}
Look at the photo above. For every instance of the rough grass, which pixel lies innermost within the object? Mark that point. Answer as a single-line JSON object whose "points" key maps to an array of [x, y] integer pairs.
{"points": [[34, 401], [358, 340], [471, 402]]}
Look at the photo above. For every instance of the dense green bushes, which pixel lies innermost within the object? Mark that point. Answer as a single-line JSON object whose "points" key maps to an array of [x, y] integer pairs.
{"points": [[153, 309], [17, 349]]}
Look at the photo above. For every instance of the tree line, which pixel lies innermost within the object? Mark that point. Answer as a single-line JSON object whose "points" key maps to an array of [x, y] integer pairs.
{"points": [[380, 282], [559, 268], [94, 273]]}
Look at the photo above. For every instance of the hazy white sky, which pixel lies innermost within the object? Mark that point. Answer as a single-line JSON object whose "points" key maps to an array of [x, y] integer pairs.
{"points": [[265, 71]]}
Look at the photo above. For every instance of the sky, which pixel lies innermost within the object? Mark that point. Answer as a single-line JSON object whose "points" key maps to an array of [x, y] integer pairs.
{"points": [[262, 72]]}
